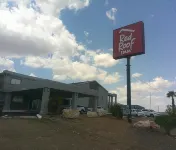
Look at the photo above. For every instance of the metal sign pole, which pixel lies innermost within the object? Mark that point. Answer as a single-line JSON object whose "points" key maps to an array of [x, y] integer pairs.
{"points": [[129, 88]]}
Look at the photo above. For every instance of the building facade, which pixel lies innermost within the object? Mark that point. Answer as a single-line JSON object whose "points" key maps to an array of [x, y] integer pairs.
{"points": [[103, 95], [22, 93]]}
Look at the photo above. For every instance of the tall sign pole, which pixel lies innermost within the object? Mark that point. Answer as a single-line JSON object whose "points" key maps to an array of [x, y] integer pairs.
{"points": [[150, 100], [129, 41], [129, 88]]}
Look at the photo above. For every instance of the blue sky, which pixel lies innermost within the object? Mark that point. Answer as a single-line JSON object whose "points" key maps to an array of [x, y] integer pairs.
{"points": [[160, 33], [34, 29]]}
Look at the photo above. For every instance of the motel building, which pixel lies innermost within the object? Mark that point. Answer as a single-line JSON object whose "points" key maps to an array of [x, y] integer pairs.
{"points": [[30, 95]]}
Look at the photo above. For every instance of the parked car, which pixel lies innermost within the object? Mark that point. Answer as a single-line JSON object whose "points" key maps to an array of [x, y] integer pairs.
{"points": [[81, 109], [145, 112], [140, 113], [134, 112], [89, 109], [150, 113], [98, 108]]}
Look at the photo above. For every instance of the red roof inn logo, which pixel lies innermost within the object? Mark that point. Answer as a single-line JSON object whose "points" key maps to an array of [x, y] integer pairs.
{"points": [[128, 41]]}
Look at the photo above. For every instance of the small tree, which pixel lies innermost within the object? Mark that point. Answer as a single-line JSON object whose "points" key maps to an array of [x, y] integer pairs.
{"points": [[116, 111], [172, 94], [52, 106], [169, 110]]}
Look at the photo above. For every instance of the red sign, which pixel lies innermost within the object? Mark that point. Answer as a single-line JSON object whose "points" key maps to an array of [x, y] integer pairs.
{"points": [[129, 41]]}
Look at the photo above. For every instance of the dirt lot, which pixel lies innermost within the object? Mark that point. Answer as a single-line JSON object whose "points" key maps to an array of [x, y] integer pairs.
{"points": [[105, 133]]}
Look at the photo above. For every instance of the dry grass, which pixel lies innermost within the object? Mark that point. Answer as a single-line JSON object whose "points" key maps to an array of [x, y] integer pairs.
{"points": [[106, 133]]}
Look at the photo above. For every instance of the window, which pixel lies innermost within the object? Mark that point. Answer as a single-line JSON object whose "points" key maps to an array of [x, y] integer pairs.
{"points": [[15, 81]]}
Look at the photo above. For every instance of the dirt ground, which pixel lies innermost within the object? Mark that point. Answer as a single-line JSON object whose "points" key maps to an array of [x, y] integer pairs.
{"points": [[106, 133]]}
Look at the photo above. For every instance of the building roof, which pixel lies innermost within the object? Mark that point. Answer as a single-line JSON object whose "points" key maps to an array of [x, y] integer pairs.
{"points": [[112, 94], [91, 82], [41, 83]]}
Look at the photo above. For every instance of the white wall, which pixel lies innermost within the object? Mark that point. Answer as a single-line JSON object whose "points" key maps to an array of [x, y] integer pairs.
{"points": [[84, 101], [103, 95]]}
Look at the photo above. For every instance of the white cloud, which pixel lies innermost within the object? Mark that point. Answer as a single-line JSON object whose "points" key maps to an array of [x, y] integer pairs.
{"points": [[112, 78], [105, 60], [86, 33], [32, 75], [158, 88], [55, 6], [136, 75], [111, 49], [25, 31], [111, 14], [37, 31], [64, 68], [133, 57], [89, 41], [6, 64]]}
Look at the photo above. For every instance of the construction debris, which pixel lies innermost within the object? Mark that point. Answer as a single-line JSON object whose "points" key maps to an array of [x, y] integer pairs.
{"points": [[70, 113], [39, 116], [101, 112], [146, 124], [6, 117], [92, 114]]}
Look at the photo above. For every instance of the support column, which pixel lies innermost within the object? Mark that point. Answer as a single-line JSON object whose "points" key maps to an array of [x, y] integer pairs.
{"points": [[108, 101], [95, 104], [116, 99], [45, 100], [7, 102], [74, 99], [111, 100]]}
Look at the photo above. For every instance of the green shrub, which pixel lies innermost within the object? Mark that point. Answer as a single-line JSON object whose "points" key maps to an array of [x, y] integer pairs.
{"points": [[116, 111], [167, 122], [52, 106]]}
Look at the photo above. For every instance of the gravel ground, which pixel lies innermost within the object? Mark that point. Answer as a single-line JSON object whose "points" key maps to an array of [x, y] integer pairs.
{"points": [[106, 133]]}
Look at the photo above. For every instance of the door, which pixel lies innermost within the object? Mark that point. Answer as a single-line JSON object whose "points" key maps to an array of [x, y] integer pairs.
{"points": [[35, 105]]}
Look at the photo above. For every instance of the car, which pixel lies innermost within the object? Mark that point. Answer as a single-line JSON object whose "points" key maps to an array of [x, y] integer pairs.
{"points": [[134, 112], [89, 109], [150, 113], [140, 113], [81, 109], [98, 108], [145, 112]]}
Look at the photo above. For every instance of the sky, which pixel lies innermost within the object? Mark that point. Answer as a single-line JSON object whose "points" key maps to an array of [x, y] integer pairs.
{"points": [[71, 41]]}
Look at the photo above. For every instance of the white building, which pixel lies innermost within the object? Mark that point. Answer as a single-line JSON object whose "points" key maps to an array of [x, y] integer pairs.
{"points": [[104, 98]]}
